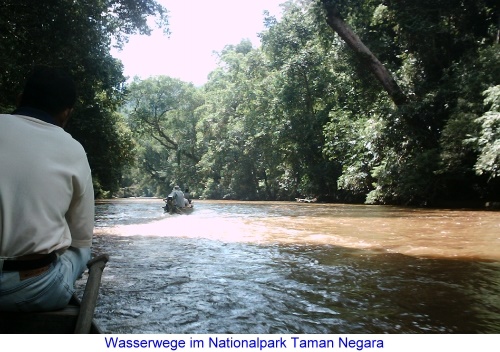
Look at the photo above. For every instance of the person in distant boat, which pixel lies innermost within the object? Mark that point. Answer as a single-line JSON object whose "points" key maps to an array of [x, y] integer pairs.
{"points": [[178, 197], [46, 197], [187, 197]]}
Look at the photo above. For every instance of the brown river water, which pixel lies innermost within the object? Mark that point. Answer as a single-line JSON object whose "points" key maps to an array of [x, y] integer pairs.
{"points": [[282, 267]]}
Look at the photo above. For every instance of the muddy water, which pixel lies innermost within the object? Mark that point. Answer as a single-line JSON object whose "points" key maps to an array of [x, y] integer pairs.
{"points": [[253, 267]]}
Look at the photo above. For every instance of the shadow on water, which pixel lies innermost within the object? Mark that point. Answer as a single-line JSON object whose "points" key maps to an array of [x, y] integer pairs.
{"points": [[172, 282], [191, 286]]}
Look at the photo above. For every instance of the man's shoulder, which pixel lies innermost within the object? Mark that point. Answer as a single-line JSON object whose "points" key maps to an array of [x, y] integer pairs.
{"points": [[38, 129], [4, 117]]}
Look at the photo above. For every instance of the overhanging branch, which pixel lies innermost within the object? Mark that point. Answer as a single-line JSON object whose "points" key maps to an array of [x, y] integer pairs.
{"points": [[383, 75]]}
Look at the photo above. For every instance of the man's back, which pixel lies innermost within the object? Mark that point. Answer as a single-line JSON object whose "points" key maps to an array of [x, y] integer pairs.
{"points": [[46, 197], [179, 198], [43, 171]]}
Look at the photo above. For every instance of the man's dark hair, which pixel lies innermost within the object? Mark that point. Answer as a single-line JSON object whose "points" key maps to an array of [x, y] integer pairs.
{"points": [[49, 89]]}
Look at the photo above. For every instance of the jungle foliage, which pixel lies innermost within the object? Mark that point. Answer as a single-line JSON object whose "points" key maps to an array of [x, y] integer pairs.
{"points": [[301, 115], [77, 36]]}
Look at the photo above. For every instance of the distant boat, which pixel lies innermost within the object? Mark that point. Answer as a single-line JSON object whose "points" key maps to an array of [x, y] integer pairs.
{"points": [[307, 200], [170, 208]]}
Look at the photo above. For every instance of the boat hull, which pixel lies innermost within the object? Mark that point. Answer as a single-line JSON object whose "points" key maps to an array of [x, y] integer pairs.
{"points": [[170, 208], [56, 322], [76, 317]]}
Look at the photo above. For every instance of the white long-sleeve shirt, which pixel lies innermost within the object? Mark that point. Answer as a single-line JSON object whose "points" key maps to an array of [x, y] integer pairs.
{"points": [[46, 192]]}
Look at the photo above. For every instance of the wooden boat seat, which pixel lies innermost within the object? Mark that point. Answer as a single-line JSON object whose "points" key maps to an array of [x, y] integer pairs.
{"points": [[77, 317]]}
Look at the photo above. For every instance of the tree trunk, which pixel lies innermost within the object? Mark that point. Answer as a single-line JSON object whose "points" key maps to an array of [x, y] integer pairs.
{"points": [[336, 22]]}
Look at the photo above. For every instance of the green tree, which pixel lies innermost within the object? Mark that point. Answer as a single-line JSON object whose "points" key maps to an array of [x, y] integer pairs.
{"points": [[162, 113], [439, 53], [232, 127], [304, 95], [76, 35], [488, 141]]}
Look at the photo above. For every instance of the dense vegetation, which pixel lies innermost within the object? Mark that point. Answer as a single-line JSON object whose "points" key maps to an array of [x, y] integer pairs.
{"points": [[77, 36], [302, 115]]}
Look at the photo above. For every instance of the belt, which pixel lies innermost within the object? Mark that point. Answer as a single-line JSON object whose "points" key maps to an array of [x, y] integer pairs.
{"points": [[29, 262]]}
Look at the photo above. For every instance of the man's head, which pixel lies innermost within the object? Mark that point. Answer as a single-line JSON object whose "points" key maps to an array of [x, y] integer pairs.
{"points": [[51, 90]]}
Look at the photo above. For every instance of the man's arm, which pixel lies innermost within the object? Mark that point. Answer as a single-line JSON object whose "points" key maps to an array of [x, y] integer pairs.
{"points": [[80, 215]]}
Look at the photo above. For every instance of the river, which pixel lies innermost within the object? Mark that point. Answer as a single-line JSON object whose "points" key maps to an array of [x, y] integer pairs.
{"points": [[282, 267]]}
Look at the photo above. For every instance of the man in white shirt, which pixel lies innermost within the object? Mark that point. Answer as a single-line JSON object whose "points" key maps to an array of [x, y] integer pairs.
{"points": [[178, 197], [46, 197]]}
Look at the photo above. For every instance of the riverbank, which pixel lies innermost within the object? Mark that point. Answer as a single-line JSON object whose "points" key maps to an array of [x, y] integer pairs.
{"points": [[443, 205]]}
